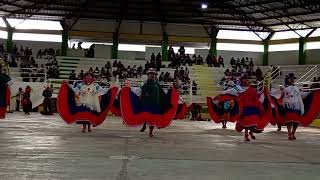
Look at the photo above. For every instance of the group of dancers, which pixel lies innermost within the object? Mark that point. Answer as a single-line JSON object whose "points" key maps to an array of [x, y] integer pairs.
{"points": [[88, 103], [253, 111]]}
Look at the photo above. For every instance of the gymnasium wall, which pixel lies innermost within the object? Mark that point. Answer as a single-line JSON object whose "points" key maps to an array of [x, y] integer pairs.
{"points": [[284, 58], [131, 55], [313, 56]]}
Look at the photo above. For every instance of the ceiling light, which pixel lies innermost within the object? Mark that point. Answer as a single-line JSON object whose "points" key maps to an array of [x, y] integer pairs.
{"points": [[204, 6]]}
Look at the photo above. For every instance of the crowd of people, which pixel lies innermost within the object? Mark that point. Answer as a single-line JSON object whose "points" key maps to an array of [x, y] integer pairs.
{"points": [[240, 67], [30, 70]]}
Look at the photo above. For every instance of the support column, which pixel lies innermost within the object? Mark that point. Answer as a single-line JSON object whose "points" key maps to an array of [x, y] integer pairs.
{"points": [[265, 60], [9, 42], [302, 51], [213, 46], [164, 45], [115, 45], [64, 43]]}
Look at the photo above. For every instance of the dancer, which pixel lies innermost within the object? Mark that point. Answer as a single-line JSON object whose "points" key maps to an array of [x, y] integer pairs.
{"points": [[151, 93], [87, 104], [224, 108], [5, 83], [296, 108], [26, 101], [153, 107], [255, 109]]}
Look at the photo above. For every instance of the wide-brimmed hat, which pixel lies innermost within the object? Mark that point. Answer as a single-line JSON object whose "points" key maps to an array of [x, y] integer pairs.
{"points": [[151, 70], [291, 76]]}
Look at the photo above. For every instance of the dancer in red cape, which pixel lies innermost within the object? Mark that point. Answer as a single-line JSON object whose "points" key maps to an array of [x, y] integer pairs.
{"points": [[224, 108], [87, 103], [254, 114], [5, 83], [152, 107], [297, 111]]}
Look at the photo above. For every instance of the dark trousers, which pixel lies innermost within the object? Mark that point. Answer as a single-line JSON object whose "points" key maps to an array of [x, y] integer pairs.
{"points": [[47, 105], [17, 105]]}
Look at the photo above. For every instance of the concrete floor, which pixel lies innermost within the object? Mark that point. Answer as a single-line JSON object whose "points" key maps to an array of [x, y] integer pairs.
{"points": [[44, 147]]}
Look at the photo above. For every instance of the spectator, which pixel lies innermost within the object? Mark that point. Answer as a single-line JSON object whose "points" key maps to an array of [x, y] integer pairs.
{"points": [[153, 57], [90, 70], [73, 75], [81, 74], [188, 60], [247, 63], [199, 60], [161, 77], [159, 61], [140, 69], [194, 59], [171, 53], [220, 62], [232, 62], [209, 60], [259, 74], [26, 102], [194, 88], [96, 73], [243, 61], [15, 49], [115, 64], [251, 63], [47, 103], [39, 54], [182, 51]]}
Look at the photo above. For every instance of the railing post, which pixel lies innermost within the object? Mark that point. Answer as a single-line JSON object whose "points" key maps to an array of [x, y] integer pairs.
{"points": [[190, 91]]}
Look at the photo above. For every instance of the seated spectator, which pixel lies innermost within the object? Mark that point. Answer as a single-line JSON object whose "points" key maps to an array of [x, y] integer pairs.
{"points": [[243, 61], [90, 70], [39, 54], [96, 73], [103, 71], [247, 63], [134, 72], [259, 74], [220, 62], [251, 62], [199, 60], [161, 77], [81, 74]]}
